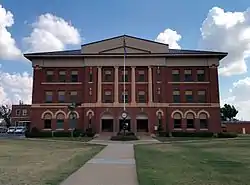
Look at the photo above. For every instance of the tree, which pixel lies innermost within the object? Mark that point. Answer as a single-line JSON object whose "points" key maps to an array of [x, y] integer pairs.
{"points": [[228, 112], [5, 112]]}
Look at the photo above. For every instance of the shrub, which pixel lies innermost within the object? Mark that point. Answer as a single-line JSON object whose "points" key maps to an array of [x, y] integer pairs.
{"points": [[61, 134], [38, 134], [121, 133], [124, 138], [226, 135], [163, 134], [192, 134]]}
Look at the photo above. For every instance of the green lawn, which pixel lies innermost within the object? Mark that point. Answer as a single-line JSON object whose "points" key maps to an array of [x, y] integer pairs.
{"points": [[24, 162], [214, 162]]}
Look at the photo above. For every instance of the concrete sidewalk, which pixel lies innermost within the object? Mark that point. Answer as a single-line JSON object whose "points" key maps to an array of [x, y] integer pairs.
{"points": [[114, 165]]}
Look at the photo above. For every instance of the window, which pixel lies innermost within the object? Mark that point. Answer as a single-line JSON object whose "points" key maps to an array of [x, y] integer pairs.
{"points": [[49, 76], [47, 124], [90, 75], [48, 96], [176, 96], [61, 96], [190, 120], [189, 96], [107, 96], [177, 120], [200, 75], [90, 91], [125, 77], [124, 95], [141, 97], [59, 121], [18, 112], [73, 96], [188, 75], [25, 112], [203, 121], [73, 120], [176, 75], [62, 76], [74, 76], [141, 76], [158, 76], [108, 75], [201, 95], [159, 94]]}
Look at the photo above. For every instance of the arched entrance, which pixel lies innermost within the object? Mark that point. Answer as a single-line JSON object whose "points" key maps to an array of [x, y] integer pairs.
{"points": [[142, 122], [107, 122], [128, 121]]}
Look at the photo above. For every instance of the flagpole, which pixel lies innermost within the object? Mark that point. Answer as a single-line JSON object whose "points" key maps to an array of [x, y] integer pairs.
{"points": [[124, 68]]}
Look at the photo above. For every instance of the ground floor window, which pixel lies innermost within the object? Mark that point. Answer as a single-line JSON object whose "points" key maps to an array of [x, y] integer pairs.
{"points": [[72, 123], [142, 125], [203, 124], [190, 120], [177, 120], [59, 123], [107, 125], [47, 124]]}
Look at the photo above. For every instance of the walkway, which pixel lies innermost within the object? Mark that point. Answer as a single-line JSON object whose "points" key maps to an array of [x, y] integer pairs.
{"points": [[114, 165]]}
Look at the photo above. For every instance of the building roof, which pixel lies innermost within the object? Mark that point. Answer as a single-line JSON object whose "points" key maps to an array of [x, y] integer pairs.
{"points": [[138, 46]]}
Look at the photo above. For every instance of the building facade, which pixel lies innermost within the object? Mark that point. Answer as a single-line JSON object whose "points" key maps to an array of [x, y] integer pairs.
{"points": [[20, 115], [177, 89]]}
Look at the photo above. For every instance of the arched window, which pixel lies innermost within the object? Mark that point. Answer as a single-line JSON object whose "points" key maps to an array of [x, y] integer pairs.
{"points": [[203, 121], [47, 117], [190, 120], [177, 120], [60, 120]]}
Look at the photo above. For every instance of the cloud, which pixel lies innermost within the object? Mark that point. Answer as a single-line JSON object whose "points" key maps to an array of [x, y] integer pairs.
{"points": [[8, 48], [229, 32], [15, 87], [51, 33], [169, 37], [239, 96]]}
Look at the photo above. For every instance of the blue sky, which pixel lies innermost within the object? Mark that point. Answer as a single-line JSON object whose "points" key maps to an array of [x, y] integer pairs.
{"points": [[95, 20]]}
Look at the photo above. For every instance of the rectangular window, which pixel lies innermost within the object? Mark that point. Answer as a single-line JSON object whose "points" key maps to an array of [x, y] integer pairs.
{"points": [[141, 76], [108, 75], [61, 96], [62, 76], [158, 76], [141, 97], [201, 95], [107, 97], [124, 95], [125, 77], [48, 96], [188, 75], [25, 112], [177, 123], [190, 123], [90, 77], [203, 124], [59, 124], [47, 124], [176, 96], [73, 96], [74, 76], [18, 112], [201, 75], [176, 75], [189, 96], [49, 76]]}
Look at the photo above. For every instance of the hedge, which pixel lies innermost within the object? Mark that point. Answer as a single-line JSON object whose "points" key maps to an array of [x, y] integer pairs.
{"points": [[124, 138], [192, 134], [227, 135]]}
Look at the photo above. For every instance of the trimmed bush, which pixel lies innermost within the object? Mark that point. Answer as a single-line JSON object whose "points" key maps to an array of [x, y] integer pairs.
{"points": [[38, 134], [163, 134], [61, 134], [227, 135], [124, 138], [126, 133], [192, 134]]}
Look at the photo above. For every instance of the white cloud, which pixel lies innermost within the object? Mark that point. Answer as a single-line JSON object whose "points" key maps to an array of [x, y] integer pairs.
{"points": [[229, 32], [8, 48], [239, 96], [15, 87], [169, 37], [51, 33]]}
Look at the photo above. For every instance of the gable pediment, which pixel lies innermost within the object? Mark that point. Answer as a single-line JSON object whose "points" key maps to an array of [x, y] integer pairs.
{"points": [[116, 45]]}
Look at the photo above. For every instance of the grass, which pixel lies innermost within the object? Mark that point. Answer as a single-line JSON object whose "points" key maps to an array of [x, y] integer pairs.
{"points": [[214, 162], [169, 139], [41, 162], [82, 139]]}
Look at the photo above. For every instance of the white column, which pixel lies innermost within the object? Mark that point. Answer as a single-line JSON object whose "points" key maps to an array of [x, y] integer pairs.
{"points": [[133, 93], [150, 87], [99, 85], [116, 94]]}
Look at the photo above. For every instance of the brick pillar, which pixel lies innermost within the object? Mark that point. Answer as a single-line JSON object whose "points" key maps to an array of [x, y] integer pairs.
{"points": [[116, 94], [133, 93], [150, 87], [99, 85]]}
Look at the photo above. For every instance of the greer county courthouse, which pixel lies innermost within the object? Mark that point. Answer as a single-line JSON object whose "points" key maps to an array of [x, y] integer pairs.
{"points": [[175, 88]]}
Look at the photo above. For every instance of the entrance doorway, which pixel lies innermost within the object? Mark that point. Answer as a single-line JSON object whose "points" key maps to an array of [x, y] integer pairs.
{"points": [[121, 124], [142, 125], [107, 125]]}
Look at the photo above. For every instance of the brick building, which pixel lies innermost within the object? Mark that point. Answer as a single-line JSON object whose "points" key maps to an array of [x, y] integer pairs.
{"points": [[20, 115], [176, 88]]}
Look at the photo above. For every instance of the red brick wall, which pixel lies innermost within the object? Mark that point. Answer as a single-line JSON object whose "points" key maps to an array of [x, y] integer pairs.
{"points": [[238, 126]]}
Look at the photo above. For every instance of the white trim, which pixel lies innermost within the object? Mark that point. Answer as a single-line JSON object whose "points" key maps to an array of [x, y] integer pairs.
{"points": [[159, 110], [47, 129], [177, 111], [77, 114], [47, 111], [87, 113], [203, 111], [60, 111], [194, 82], [61, 83], [205, 129], [60, 129], [189, 111]]}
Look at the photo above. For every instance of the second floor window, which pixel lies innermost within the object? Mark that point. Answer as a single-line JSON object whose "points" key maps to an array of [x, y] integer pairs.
{"points": [[188, 75], [74, 76], [25, 112], [49, 76], [124, 77], [61, 96], [200, 75], [141, 97], [176, 96], [141, 76], [62, 76], [189, 96], [176, 75], [18, 112], [107, 98], [73, 96], [107, 76], [125, 96], [201, 96], [48, 96]]}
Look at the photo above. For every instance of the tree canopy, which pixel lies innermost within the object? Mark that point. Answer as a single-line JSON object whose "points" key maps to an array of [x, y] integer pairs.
{"points": [[228, 112], [5, 112]]}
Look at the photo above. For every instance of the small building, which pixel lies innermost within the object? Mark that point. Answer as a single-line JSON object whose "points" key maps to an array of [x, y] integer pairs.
{"points": [[20, 115]]}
